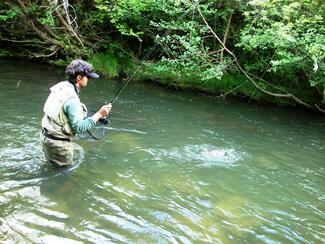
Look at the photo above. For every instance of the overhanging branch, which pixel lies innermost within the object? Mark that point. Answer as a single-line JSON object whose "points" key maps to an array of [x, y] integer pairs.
{"points": [[281, 95]]}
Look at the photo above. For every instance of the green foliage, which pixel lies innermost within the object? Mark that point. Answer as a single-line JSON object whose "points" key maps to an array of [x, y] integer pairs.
{"points": [[114, 61], [8, 14], [124, 15], [5, 53], [286, 38], [48, 19], [184, 43], [280, 40], [236, 83], [105, 63], [60, 62]]}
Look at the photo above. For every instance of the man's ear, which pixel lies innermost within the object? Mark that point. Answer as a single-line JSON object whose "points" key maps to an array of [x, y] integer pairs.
{"points": [[79, 77]]}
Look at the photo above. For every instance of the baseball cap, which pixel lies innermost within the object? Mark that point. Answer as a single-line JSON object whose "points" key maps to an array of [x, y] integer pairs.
{"points": [[79, 66]]}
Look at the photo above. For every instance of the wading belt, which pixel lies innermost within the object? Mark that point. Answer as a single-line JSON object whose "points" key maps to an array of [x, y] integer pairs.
{"points": [[44, 132]]}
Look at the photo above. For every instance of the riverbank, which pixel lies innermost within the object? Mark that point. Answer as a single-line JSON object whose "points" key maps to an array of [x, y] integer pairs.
{"points": [[235, 86]]}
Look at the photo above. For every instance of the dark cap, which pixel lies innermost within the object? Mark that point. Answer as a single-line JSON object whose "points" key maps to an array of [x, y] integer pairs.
{"points": [[79, 66]]}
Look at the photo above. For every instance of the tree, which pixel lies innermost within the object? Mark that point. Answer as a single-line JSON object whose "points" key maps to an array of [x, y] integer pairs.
{"points": [[285, 40], [41, 29]]}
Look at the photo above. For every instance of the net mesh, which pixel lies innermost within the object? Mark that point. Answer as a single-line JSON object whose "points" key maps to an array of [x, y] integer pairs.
{"points": [[98, 131]]}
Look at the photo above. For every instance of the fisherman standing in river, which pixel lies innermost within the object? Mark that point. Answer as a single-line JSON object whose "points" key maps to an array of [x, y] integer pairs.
{"points": [[65, 115]]}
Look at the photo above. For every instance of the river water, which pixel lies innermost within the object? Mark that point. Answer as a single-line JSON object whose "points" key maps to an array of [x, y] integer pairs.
{"points": [[174, 167]]}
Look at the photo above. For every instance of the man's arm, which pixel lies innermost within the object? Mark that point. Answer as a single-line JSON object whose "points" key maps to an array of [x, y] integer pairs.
{"points": [[75, 115]]}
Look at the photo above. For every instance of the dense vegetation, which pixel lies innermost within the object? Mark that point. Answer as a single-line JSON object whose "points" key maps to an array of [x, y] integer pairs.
{"points": [[266, 50]]}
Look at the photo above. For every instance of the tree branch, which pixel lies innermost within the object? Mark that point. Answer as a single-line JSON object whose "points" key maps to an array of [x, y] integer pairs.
{"points": [[68, 27], [41, 34], [287, 95], [225, 36]]}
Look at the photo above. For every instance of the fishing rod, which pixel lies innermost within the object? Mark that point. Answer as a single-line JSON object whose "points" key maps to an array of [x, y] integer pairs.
{"points": [[138, 68], [105, 120]]}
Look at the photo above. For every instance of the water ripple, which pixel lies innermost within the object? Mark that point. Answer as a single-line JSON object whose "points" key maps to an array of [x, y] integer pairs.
{"points": [[205, 155]]}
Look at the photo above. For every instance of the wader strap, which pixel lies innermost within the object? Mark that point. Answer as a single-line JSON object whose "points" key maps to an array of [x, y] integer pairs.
{"points": [[44, 132]]}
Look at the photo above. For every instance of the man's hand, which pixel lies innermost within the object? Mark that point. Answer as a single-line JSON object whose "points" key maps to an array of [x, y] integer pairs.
{"points": [[102, 112]]}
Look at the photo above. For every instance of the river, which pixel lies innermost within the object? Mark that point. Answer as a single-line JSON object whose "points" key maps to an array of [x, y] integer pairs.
{"points": [[174, 167]]}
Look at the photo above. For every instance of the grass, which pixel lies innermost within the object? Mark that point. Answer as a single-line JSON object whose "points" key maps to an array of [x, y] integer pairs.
{"points": [[105, 63]]}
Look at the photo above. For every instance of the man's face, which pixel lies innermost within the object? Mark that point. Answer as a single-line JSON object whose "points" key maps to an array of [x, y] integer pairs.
{"points": [[82, 81]]}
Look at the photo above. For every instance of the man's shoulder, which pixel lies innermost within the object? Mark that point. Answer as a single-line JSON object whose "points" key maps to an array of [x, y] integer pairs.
{"points": [[64, 88], [59, 85]]}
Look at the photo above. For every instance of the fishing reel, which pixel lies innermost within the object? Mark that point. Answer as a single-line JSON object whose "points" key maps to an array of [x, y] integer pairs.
{"points": [[104, 120]]}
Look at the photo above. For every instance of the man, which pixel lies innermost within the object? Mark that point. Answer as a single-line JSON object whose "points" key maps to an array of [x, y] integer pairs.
{"points": [[65, 115]]}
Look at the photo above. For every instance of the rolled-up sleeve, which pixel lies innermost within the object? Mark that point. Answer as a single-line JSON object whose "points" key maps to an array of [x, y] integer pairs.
{"points": [[75, 115]]}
